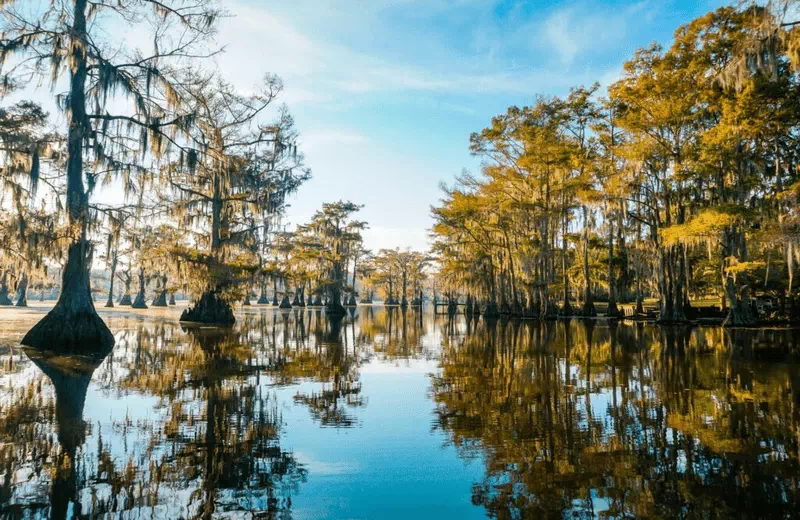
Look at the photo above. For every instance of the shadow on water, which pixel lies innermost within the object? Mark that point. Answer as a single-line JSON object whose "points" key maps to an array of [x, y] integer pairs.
{"points": [[572, 418]]}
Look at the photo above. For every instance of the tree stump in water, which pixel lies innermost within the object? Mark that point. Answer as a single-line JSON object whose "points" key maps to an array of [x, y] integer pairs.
{"points": [[209, 309]]}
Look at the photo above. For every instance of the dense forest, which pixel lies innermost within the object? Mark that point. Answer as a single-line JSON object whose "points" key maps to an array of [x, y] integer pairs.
{"points": [[680, 184]]}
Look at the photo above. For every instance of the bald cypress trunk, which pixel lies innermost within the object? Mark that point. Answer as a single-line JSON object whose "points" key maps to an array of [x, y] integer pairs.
{"points": [[613, 311], [141, 301], [588, 300], [22, 291], [110, 302], [404, 300], [126, 298], [4, 299], [209, 309], [73, 324], [161, 297]]}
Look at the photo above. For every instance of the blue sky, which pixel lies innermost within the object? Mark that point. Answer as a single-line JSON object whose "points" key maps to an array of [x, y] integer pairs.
{"points": [[385, 93]]}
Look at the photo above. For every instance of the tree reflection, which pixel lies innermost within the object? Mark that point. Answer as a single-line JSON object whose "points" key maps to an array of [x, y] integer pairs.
{"points": [[211, 448], [580, 419]]}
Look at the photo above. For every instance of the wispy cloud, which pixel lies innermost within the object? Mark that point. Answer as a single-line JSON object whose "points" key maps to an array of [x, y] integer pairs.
{"points": [[588, 28]]}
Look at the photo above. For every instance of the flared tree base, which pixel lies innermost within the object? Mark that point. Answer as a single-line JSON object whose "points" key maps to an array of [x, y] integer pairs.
{"points": [[4, 299], [335, 310], [161, 300], [210, 309], [490, 311], [63, 330], [109, 304], [263, 301], [613, 311], [285, 303], [126, 300], [739, 315], [172, 299], [139, 302]]}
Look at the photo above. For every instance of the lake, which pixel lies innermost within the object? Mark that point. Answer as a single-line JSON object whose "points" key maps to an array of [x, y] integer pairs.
{"points": [[392, 414]]}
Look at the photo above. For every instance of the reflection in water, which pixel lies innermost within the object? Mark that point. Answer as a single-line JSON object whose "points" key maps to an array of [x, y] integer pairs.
{"points": [[624, 421], [557, 419]]}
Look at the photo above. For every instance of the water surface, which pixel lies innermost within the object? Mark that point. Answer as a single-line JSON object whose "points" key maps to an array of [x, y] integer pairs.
{"points": [[391, 414]]}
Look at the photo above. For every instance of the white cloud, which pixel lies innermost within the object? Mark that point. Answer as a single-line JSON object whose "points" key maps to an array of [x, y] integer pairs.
{"points": [[319, 71], [587, 28]]}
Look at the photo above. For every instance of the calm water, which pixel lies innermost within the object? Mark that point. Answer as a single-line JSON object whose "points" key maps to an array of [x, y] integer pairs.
{"points": [[397, 415]]}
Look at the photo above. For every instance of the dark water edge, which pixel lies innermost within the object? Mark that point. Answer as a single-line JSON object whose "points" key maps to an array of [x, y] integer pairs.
{"points": [[391, 414]]}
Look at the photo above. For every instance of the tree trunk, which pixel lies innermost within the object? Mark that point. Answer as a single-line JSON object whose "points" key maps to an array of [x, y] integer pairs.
{"points": [[613, 311], [588, 301], [4, 299], [740, 312], [73, 324], [22, 291], [172, 298], [126, 298], [404, 300], [161, 299], [110, 302], [566, 307], [209, 309], [141, 300]]}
